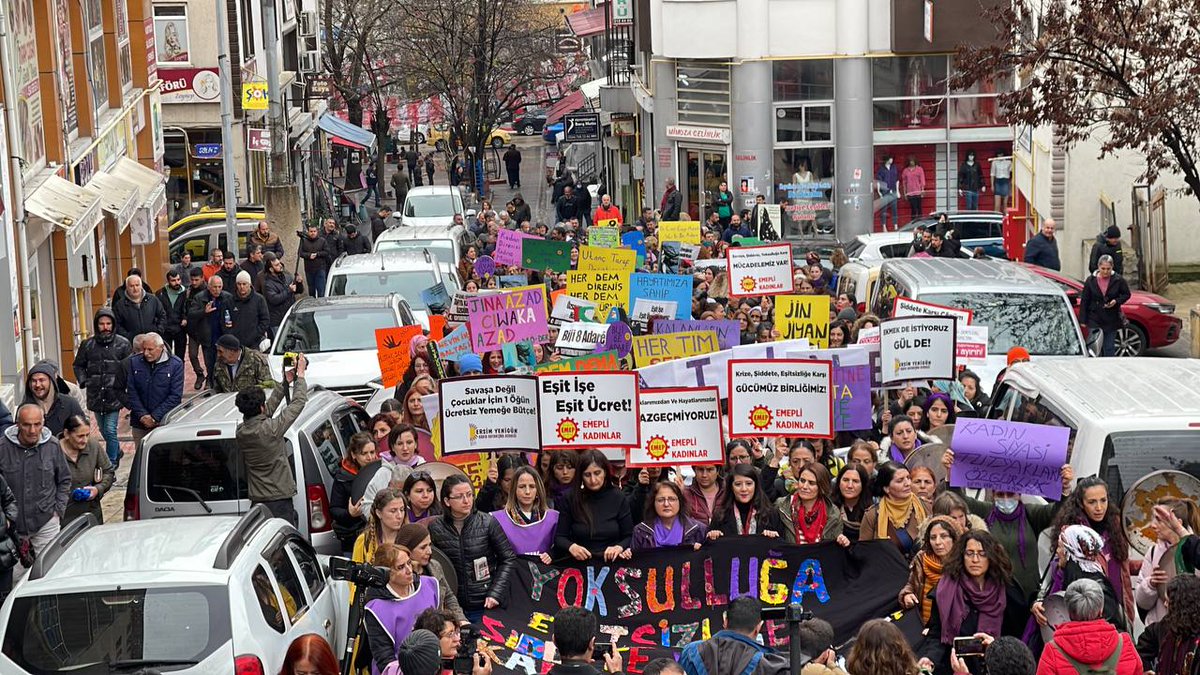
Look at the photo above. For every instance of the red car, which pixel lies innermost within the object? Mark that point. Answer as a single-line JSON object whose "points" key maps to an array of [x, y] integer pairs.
{"points": [[1152, 320]]}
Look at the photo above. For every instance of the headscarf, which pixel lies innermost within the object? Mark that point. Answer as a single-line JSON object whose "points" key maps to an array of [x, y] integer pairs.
{"points": [[1082, 544], [898, 513]]}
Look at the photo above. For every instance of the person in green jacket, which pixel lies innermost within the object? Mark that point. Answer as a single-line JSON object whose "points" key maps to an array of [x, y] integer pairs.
{"points": [[238, 367], [723, 201], [269, 477]]}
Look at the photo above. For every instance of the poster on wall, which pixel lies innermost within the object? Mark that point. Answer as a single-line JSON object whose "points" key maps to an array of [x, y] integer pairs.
{"points": [[29, 140], [171, 35], [66, 69]]}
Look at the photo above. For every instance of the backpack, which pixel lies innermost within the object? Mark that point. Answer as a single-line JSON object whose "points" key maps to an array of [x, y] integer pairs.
{"points": [[1106, 667]]}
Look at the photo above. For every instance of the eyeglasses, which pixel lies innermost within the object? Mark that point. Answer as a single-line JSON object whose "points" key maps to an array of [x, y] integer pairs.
{"points": [[462, 497], [666, 500], [979, 555]]}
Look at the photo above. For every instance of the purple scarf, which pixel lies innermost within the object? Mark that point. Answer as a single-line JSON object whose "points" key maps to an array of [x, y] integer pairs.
{"points": [[1019, 516], [665, 537], [897, 456], [956, 597]]}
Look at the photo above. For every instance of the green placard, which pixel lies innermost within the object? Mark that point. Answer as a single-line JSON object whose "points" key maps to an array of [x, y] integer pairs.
{"points": [[748, 241], [604, 237], [544, 254]]}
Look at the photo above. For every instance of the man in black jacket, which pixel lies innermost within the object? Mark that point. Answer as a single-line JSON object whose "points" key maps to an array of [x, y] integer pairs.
{"points": [[253, 264], [195, 287], [672, 202], [1107, 243], [575, 631], [136, 311], [229, 270], [98, 369], [567, 206], [1042, 249], [512, 165], [209, 317], [355, 242], [251, 318], [45, 388], [173, 298], [279, 288], [315, 254]]}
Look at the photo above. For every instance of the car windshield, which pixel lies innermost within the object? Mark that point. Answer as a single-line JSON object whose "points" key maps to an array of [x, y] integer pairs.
{"points": [[1041, 324], [118, 630], [442, 248], [334, 329], [429, 206], [854, 247]]}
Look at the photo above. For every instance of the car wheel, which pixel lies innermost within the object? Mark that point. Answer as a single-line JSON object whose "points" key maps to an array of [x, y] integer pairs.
{"points": [[440, 145], [527, 130], [497, 142], [1131, 341], [420, 138]]}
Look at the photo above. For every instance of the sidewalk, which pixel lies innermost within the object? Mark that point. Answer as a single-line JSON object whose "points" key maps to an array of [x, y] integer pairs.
{"points": [[1186, 296]]}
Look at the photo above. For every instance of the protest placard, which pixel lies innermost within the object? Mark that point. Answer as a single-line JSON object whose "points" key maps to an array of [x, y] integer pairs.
{"points": [[1009, 456], [971, 347], [760, 270], [803, 316], [675, 287], [635, 241], [709, 370], [868, 337], [917, 348], [508, 316], [747, 241], [618, 338], [651, 349], [780, 397], [682, 231], [851, 384], [394, 356], [456, 344], [690, 252], [585, 364], [679, 427], [568, 309], [485, 266], [580, 410], [606, 288], [545, 254], [437, 326], [607, 259], [604, 237], [481, 414], [644, 310], [728, 330], [512, 280], [580, 336], [508, 246], [436, 295], [903, 306]]}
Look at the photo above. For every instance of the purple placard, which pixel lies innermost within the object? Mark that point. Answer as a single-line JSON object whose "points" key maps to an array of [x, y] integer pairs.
{"points": [[508, 246], [852, 398], [1009, 456], [485, 266], [509, 316], [728, 330], [619, 339]]}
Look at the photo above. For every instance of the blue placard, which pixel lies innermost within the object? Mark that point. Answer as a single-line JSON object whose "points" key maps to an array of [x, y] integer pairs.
{"points": [[436, 296], [636, 241], [676, 287], [207, 150]]}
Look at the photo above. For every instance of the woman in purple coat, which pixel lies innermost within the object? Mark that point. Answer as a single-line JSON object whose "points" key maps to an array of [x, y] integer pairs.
{"points": [[526, 518], [665, 524]]}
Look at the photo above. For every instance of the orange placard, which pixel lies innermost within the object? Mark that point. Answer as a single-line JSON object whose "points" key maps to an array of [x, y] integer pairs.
{"points": [[394, 355], [437, 327]]}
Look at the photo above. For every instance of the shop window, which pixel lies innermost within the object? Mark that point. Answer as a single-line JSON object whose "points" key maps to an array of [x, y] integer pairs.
{"points": [[171, 34], [910, 92], [124, 56], [805, 80], [97, 79], [702, 92], [804, 124]]}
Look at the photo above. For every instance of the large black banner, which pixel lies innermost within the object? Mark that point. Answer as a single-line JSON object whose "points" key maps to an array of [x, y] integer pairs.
{"points": [[659, 601]]}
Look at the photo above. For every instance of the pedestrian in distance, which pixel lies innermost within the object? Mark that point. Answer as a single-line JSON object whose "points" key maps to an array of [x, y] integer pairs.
{"points": [[1042, 248], [1104, 293], [315, 253], [401, 184], [512, 166], [99, 368]]}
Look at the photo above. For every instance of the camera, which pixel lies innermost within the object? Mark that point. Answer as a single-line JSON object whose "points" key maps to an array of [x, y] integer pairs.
{"points": [[289, 359], [369, 576], [463, 662]]}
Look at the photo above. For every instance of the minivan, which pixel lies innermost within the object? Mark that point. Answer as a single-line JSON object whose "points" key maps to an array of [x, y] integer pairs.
{"points": [[433, 205], [191, 464], [446, 242], [1020, 308], [204, 237], [405, 273]]}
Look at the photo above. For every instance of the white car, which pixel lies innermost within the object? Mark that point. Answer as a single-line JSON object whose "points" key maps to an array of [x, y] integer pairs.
{"points": [[434, 205], [190, 596], [885, 246]]}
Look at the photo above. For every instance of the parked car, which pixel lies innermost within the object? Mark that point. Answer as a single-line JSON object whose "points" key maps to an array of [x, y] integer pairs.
{"points": [[440, 137], [189, 596], [202, 237], [880, 246], [974, 229], [434, 206], [209, 215], [530, 123], [550, 132], [1152, 320], [858, 278]]}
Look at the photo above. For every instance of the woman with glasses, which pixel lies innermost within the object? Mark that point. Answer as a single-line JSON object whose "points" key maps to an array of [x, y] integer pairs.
{"points": [[526, 518], [665, 524], [392, 611], [347, 514], [595, 521], [808, 515], [386, 518], [477, 547], [416, 538], [421, 493]]}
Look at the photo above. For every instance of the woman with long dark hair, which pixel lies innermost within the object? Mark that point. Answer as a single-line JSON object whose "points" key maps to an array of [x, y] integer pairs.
{"points": [[899, 513], [347, 514], [595, 521], [493, 494], [560, 478], [881, 649], [852, 496], [744, 509], [938, 411], [808, 515], [421, 493], [527, 518], [1171, 646], [941, 533]]}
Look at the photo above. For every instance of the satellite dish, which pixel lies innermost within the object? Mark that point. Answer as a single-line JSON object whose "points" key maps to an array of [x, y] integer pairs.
{"points": [[928, 455]]}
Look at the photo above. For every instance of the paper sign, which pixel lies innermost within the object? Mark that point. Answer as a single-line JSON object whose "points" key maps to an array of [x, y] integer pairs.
{"points": [[651, 349], [485, 266], [481, 414], [1009, 456], [644, 310], [760, 270], [584, 364], [456, 344], [868, 337], [728, 330], [690, 251], [917, 348], [714, 264], [780, 397], [607, 259], [682, 231], [545, 254], [436, 295], [971, 348], [508, 246], [458, 304], [852, 367], [580, 337], [674, 287], [711, 370], [583, 410], [903, 306], [606, 288], [679, 427], [394, 355], [635, 241], [604, 237], [568, 309], [803, 316], [510, 316]]}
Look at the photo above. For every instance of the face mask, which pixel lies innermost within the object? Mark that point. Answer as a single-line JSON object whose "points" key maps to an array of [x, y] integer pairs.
{"points": [[1007, 505]]}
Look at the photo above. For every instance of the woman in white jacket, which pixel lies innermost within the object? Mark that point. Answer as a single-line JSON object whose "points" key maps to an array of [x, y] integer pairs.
{"points": [[1153, 578]]}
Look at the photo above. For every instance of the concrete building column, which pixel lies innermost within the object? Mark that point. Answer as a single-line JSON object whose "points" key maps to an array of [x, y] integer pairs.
{"points": [[665, 114], [752, 128], [854, 122]]}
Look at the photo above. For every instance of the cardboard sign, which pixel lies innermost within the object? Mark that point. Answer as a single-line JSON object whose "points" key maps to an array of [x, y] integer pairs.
{"points": [[394, 355], [606, 288], [509, 316], [437, 327], [728, 330], [583, 410], [781, 397], [618, 338], [436, 296], [455, 345], [760, 270], [636, 241], [580, 337], [971, 348], [682, 231], [803, 316], [485, 266], [603, 361], [568, 309], [644, 310], [711, 370], [651, 349], [607, 259], [673, 287], [679, 427], [508, 246], [903, 306], [1009, 456], [604, 237], [545, 254], [917, 348], [481, 414]]}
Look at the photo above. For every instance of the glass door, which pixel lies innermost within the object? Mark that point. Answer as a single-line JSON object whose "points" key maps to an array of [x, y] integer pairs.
{"points": [[705, 170]]}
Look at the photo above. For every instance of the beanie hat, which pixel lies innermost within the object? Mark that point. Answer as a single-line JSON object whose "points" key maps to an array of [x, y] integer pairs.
{"points": [[242, 276], [411, 535], [469, 363], [229, 341], [420, 653], [1112, 232], [1017, 354]]}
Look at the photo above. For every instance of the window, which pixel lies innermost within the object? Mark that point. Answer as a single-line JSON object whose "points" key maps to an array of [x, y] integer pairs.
{"points": [[295, 603], [124, 56], [247, 29], [1043, 324], [976, 229], [198, 245], [910, 92], [408, 284], [336, 329], [889, 290], [325, 440], [702, 92], [171, 39], [211, 469], [268, 601], [1130, 455], [803, 80], [97, 79], [310, 569], [804, 124], [804, 189]]}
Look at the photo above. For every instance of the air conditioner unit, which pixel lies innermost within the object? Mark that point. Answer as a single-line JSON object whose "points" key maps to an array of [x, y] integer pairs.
{"points": [[310, 62], [308, 24]]}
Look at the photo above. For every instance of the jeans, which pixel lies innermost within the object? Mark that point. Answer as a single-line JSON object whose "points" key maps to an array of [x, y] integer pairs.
{"points": [[890, 203], [107, 422], [372, 191], [914, 206], [972, 200], [282, 508], [1108, 343], [316, 282]]}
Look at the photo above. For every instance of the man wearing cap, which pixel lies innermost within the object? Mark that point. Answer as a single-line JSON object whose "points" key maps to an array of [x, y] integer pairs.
{"points": [[355, 242], [251, 317], [1107, 243], [238, 368]]}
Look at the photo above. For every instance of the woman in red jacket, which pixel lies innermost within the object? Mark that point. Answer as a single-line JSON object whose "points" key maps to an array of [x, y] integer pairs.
{"points": [[1087, 641]]}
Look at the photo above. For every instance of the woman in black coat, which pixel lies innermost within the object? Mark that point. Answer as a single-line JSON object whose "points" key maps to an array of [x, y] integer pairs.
{"points": [[595, 521], [1100, 303]]}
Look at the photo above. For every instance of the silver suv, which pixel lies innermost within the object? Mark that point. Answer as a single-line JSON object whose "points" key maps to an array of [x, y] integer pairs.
{"points": [[405, 273]]}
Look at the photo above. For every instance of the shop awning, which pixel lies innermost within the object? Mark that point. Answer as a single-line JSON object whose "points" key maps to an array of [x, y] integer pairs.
{"points": [[67, 206], [591, 90], [588, 22], [349, 134], [151, 184], [572, 102], [118, 197]]}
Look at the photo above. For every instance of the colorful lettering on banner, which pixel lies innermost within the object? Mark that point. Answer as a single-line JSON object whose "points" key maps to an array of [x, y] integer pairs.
{"points": [[903, 306], [581, 410], [804, 316], [1009, 456], [651, 349], [760, 270], [508, 247], [489, 413], [508, 316], [607, 259], [544, 254], [728, 330], [674, 287], [456, 344], [917, 348], [971, 348], [851, 384], [393, 352], [682, 231], [868, 337], [591, 363], [663, 599], [679, 427], [782, 397], [605, 288], [604, 237], [568, 309]]}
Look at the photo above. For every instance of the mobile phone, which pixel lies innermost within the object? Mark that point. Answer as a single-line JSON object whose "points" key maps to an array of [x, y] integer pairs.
{"points": [[968, 646], [601, 650]]}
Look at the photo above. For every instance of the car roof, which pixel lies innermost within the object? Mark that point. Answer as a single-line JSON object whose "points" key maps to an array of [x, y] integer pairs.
{"points": [[338, 301], [1111, 388], [432, 190], [933, 274], [220, 411], [885, 237], [421, 232], [387, 261]]}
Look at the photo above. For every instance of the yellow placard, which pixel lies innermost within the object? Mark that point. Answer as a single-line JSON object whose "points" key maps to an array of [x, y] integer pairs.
{"points": [[254, 96], [651, 349], [803, 316], [620, 260], [606, 288], [683, 231]]}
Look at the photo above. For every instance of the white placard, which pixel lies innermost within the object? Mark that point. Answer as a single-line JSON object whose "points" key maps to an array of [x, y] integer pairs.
{"points": [[679, 427], [711, 370], [482, 414], [760, 270], [581, 336], [971, 347], [780, 397], [585, 410], [569, 309], [917, 348], [903, 306], [644, 308]]}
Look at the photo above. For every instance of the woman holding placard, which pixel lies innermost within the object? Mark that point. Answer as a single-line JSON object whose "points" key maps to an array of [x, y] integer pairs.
{"points": [[807, 515], [899, 513], [595, 521], [744, 509]]}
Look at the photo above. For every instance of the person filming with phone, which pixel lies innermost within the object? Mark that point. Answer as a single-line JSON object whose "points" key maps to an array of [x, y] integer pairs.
{"points": [[261, 441], [575, 631]]}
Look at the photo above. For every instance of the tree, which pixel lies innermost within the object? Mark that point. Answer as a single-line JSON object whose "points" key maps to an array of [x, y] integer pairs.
{"points": [[1127, 67]]}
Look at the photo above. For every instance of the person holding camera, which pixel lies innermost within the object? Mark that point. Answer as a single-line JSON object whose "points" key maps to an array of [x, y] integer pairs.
{"points": [[260, 439], [575, 632], [419, 655]]}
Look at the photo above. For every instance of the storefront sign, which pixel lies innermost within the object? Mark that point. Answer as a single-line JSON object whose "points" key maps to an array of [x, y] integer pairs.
{"points": [[679, 427], [255, 96], [206, 150], [190, 85], [917, 348], [780, 397], [481, 414], [258, 140], [690, 133], [581, 410], [760, 270]]}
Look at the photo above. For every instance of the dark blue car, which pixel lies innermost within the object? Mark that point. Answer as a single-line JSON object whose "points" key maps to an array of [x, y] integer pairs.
{"points": [[550, 132]]}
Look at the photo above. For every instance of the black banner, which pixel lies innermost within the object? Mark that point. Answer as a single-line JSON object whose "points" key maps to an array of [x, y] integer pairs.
{"points": [[653, 605]]}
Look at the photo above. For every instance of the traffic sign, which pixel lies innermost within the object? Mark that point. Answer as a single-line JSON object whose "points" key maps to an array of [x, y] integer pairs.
{"points": [[581, 127]]}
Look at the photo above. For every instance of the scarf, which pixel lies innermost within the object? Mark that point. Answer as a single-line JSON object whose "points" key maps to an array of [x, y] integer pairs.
{"points": [[932, 567], [897, 513], [668, 537], [1082, 543], [809, 524], [956, 598], [750, 524], [898, 456], [1018, 517], [350, 467]]}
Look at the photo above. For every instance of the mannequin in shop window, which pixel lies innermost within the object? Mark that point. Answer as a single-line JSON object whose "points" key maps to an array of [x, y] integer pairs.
{"points": [[970, 181], [912, 182], [1001, 180], [803, 174], [887, 180]]}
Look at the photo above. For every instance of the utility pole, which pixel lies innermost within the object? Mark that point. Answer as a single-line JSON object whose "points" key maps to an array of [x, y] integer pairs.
{"points": [[227, 165], [282, 197]]}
